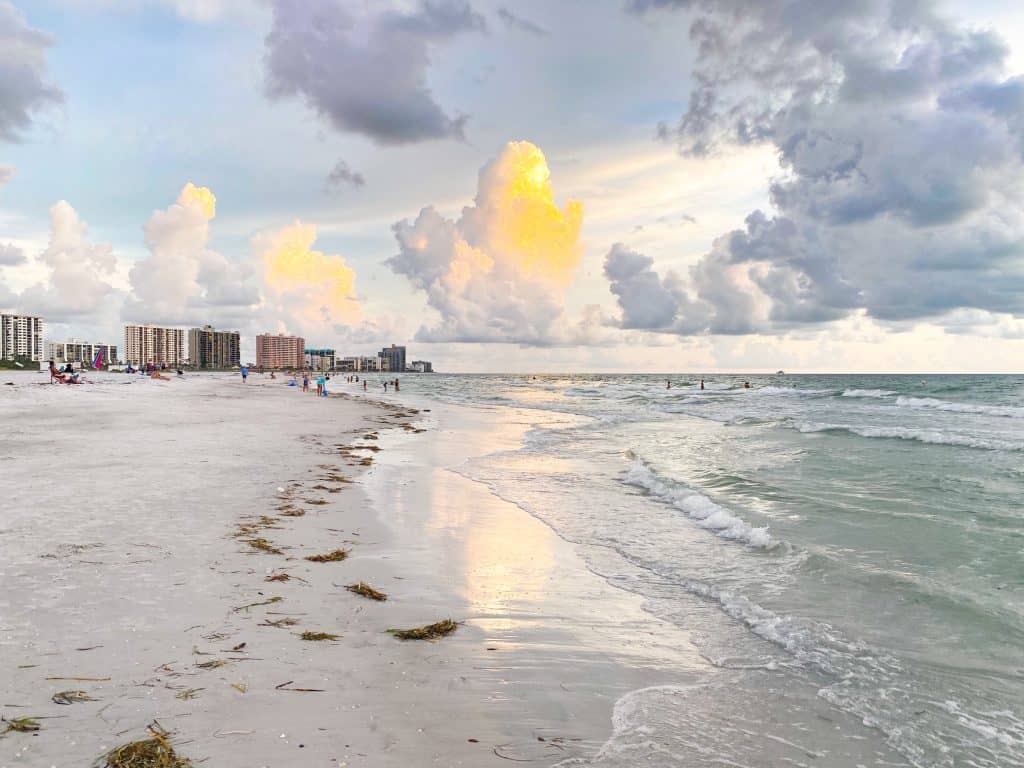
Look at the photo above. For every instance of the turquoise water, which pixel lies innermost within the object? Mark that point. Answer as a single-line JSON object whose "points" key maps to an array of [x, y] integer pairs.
{"points": [[862, 536]]}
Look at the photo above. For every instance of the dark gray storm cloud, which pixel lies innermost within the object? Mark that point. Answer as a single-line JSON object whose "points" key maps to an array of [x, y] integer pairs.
{"points": [[341, 174], [366, 71], [24, 86], [901, 141], [516, 22]]}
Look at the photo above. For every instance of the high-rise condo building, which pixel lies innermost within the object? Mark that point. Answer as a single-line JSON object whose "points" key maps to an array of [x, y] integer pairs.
{"points": [[280, 351], [152, 344], [21, 336], [393, 359], [209, 348], [80, 352]]}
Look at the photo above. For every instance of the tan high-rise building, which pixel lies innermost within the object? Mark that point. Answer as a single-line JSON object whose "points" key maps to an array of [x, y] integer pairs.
{"points": [[152, 344], [208, 348], [280, 351], [21, 336]]}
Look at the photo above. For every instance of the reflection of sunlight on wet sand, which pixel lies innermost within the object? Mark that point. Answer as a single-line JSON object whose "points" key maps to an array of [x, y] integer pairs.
{"points": [[508, 558]]}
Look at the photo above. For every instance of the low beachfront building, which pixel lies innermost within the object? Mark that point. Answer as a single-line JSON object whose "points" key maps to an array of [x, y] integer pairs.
{"points": [[145, 344], [320, 359], [21, 336], [80, 352], [421, 366], [280, 351]]}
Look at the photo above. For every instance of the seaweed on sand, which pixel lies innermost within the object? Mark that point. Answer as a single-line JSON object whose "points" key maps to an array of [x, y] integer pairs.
{"points": [[318, 636], [20, 725], [428, 632], [329, 557], [365, 590], [154, 752], [289, 510], [263, 546], [288, 621], [71, 697]]}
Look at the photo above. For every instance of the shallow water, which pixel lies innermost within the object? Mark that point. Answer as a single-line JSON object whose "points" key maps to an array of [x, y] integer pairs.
{"points": [[860, 537]]}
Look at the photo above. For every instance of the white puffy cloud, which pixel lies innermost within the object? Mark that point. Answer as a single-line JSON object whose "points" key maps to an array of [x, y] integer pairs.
{"points": [[183, 281], [78, 283], [365, 70], [11, 255], [499, 273], [24, 86], [900, 139]]}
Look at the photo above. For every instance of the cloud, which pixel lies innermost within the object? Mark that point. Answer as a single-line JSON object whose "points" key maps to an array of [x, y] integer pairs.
{"points": [[366, 72], [24, 87], [499, 273], [11, 255], [78, 285], [902, 152], [304, 290], [183, 281], [342, 174], [519, 23]]}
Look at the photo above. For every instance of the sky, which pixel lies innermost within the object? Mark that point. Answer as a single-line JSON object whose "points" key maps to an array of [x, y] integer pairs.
{"points": [[525, 185]]}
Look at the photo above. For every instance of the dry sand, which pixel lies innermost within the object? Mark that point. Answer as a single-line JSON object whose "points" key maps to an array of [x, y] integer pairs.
{"points": [[122, 564]]}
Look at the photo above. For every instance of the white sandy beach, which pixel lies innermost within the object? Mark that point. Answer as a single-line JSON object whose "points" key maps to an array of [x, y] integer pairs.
{"points": [[122, 577]]}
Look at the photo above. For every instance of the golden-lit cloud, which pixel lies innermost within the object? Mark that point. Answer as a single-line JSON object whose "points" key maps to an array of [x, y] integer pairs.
{"points": [[501, 271], [200, 196], [308, 288], [523, 220]]}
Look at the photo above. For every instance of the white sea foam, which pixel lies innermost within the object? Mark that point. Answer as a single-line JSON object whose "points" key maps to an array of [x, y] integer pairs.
{"points": [[699, 508], [931, 403], [867, 393], [930, 436]]}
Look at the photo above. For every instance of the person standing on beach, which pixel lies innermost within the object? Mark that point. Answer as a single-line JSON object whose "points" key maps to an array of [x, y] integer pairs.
{"points": [[364, 385], [305, 382], [245, 374]]}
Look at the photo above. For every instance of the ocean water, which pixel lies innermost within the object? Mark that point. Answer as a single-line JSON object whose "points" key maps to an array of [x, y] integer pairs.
{"points": [[842, 548]]}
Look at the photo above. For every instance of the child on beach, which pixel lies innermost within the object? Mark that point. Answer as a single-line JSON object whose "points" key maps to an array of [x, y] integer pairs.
{"points": [[305, 382], [245, 374], [321, 386]]}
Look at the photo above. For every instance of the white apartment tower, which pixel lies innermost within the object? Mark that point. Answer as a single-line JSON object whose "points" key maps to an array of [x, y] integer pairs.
{"points": [[152, 344], [21, 336]]}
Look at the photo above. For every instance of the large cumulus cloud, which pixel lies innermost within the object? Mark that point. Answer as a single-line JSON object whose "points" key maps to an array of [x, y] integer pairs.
{"points": [[24, 85], [183, 281], [366, 71], [900, 140], [498, 273], [79, 273]]}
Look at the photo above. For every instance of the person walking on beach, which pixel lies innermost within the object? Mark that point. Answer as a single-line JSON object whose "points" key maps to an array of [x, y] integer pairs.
{"points": [[305, 382], [245, 374], [321, 386]]}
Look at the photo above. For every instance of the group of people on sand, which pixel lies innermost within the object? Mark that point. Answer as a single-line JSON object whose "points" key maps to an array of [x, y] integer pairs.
{"points": [[65, 375]]}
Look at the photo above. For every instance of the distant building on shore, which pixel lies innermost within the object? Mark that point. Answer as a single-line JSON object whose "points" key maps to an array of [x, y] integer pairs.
{"points": [[80, 352], [153, 344], [209, 348], [358, 364], [319, 359], [392, 359], [421, 366], [280, 351], [21, 336]]}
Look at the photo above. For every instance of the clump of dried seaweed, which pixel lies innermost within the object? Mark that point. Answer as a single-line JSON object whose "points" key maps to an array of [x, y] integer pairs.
{"points": [[71, 697], [318, 636], [365, 590], [317, 502], [428, 632], [278, 577], [20, 725], [288, 621], [291, 511], [263, 546], [329, 557], [270, 601], [154, 752]]}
